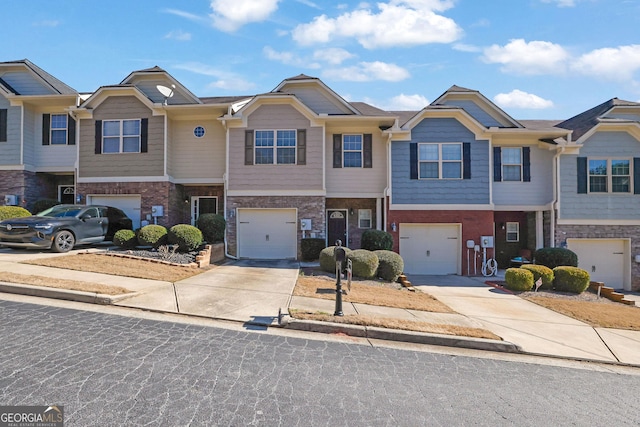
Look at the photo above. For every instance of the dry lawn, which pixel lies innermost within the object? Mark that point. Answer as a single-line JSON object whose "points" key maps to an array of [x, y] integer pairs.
{"points": [[598, 314], [49, 282], [406, 325], [118, 266], [373, 293]]}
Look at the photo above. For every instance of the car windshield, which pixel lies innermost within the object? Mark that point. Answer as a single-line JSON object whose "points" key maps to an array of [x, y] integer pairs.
{"points": [[60, 211]]}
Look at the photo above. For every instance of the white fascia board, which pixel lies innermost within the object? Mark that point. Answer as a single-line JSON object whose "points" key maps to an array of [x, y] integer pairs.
{"points": [[258, 193], [602, 222], [424, 207], [90, 180], [525, 208], [355, 195]]}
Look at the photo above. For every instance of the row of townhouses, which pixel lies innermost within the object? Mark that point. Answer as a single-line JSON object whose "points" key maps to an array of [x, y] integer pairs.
{"points": [[300, 161]]}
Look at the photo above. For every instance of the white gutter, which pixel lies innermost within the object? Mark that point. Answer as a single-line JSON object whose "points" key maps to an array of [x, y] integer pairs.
{"points": [[76, 165], [556, 196], [388, 187]]}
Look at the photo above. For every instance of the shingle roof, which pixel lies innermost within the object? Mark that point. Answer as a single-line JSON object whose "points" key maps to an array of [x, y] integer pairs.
{"points": [[369, 110], [54, 83], [584, 122]]}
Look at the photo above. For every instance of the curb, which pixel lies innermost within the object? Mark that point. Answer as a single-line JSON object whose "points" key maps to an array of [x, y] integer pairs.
{"points": [[63, 294], [400, 335]]}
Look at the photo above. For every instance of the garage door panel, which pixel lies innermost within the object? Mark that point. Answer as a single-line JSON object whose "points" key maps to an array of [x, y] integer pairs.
{"points": [[430, 248], [129, 204], [604, 259], [267, 233]]}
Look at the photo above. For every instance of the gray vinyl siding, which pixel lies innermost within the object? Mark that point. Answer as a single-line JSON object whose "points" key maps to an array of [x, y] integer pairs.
{"points": [[123, 164], [537, 192], [475, 111], [148, 87], [317, 100], [29, 136], [47, 157], [25, 83], [191, 157], [10, 150], [440, 191], [276, 177], [598, 206], [625, 116]]}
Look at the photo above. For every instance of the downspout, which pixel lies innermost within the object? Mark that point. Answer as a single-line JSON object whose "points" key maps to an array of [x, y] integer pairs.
{"points": [[76, 165], [388, 187], [225, 183], [556, 197]]}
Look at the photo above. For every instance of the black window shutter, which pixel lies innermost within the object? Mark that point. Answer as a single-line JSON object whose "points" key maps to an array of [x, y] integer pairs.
{"points": [[526, 164], [98, 137], [367, 151], [337, 150], [248, 147], [497, 164], [71, 131], [3, 124], [466, 160], [582, 175], [144, 135], [636, 175], [302, 146], [413, 160], [46, 127]]}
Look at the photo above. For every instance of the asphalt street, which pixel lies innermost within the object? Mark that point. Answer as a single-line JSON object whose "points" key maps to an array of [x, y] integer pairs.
{"points": [[112, 370]]}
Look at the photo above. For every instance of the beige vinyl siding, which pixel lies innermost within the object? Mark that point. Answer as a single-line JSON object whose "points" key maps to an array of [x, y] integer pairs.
{"points": [[357, 180], [124, 164], [196, 158], [10, 150], [276, 177], [318, 101], [148, 87]]}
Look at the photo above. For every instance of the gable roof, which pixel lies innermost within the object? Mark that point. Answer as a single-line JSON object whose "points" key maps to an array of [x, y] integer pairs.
{"points": [[54, 83], [584, 122]]}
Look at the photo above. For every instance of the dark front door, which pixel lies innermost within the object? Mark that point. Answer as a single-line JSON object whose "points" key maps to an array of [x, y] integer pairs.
{"points": [[336, 227]]}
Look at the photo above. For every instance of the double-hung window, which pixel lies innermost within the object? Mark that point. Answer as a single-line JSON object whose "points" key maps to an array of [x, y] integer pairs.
{"points": [[609, 175], [352, 151], [364, 218], [511, 164], [275, 146], [58, 129], [121, 136], [513, 231], [440, 161]]}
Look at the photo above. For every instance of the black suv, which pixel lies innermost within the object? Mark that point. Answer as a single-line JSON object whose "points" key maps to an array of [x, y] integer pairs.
{"points": [[62, 227]]}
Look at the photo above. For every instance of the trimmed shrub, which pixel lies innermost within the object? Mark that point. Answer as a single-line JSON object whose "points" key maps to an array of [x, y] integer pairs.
{"points": [[311, 248], [8, 212], [570, 279], [375, 240], [43, 205], [125, 238], [364, 263], [187, 237], [391, 265], [518, 279], [152, 235], [212, 227], [541, 271], [555, 257], [327, 259]]}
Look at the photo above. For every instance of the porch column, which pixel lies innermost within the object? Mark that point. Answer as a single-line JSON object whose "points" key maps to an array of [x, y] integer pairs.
{"points": [[539, 229], [378, 213]]}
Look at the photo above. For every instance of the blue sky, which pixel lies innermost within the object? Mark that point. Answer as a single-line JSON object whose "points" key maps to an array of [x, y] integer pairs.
{"points": [[537, 59]]}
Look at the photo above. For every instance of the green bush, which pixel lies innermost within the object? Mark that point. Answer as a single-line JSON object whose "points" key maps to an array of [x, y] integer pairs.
{"points": [[125, 238], [212, 227], [364, 263], [8, 212], [311, 248], [570, 279], [391, 265], [187, 237], [541, 271], [518, 279], [327, 260], [555, 257], [43, 205], [375, 240], [152, 235]]}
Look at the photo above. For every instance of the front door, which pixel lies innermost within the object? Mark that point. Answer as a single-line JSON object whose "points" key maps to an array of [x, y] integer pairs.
{"points": [[202, 205], [67, 194], [336, 227]]}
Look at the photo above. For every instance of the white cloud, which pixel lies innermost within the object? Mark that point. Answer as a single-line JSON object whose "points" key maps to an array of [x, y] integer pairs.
{"points": [[396, 23], [288, 58], [407, 102], [368, 71], [466, 47], [615, 63], [232, 84], [225, 80], [332, 55], [178, 35], [229, 15], [562, 3], [187, 15], [519, 99], [521, 57]]}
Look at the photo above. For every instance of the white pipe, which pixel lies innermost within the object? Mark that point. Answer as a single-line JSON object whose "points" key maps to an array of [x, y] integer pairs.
{"points": [[556, 197]]}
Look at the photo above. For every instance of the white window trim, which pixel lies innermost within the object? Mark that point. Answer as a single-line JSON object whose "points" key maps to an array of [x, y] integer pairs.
{"points": [[195, 202], [361, 150], [51, 129], [440, 161], [517, 231], [503, 164], [360, 217], [121, 136], [275, 146], [609, 176]]}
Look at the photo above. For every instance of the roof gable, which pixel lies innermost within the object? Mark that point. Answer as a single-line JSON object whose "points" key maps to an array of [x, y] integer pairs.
{"points": [[148, 80], [23, 77], [316, 95], [584, 122]]}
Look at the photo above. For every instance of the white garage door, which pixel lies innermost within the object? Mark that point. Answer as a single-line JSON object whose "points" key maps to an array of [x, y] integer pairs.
{"points": [[606, 260], [267, 233], [430, 248], [130, 204]]}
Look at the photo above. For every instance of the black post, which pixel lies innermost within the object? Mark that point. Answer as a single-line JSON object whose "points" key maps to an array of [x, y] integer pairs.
{"points": [[340, 256]]}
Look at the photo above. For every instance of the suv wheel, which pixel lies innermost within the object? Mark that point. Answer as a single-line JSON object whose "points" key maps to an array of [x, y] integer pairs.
{"points": [[63, 241]]}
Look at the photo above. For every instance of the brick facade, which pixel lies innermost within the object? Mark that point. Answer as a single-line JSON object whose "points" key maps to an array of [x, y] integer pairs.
{"points": [[354, 232], [505, 251], [31, 186]]}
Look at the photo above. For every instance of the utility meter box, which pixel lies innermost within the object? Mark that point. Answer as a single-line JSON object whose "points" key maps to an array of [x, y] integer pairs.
{"points": [[305, 224], [11, 200], [486, 241], [157, 210]]}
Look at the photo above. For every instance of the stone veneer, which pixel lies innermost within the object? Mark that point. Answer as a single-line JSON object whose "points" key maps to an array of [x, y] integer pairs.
{"points": [[312, 207], [605, 232]]}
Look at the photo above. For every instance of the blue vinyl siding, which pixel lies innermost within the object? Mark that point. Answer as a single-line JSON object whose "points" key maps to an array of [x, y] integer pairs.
{"points": [[440, 191], [476, 112]]}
